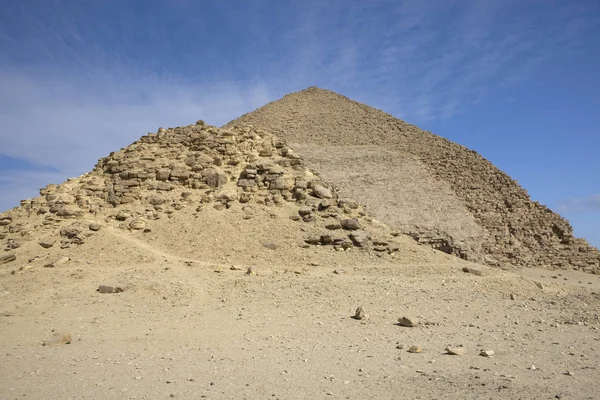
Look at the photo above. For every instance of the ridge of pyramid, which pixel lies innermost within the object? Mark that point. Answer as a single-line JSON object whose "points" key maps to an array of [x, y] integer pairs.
{"points": [[514, 230]]}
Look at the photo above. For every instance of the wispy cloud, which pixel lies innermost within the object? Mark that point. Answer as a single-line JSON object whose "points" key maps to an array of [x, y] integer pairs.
{"points": [[578, 204]]}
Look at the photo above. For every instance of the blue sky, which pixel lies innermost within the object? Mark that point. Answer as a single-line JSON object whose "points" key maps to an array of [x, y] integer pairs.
{"points": [[515, 80]]}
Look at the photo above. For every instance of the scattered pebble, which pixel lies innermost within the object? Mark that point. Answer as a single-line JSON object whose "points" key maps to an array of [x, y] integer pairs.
{"points": [[251, 271], [415, 349], [6, 258], [360, 313], [109, 289], [456, 351], [57, 263], [486, 353], [408, 321]]}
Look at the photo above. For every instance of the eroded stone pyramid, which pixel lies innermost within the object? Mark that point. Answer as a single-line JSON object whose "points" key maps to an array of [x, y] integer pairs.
{"points": [[437, 191], [200, 192]]}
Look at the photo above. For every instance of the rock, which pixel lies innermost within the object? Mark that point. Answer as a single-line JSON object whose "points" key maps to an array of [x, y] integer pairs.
{"points": [[46, 242], [58, 339], [69, 232], [304, 211], [163, 175], [313, 240], [94, 226], [359, 238], [137, 224], [415, 349], [350, 224], [408, 321], [180, 172], [456, 351], [57, 263], [270, 246], [333, 226], [360, 313], [65, 211], [473, 271], [122, 215], [322, 192], [326, 239], [251, 271], [109, 289], [513, 296], [6, 258], [214, 178], [539, 285], [13, 244], [486, 353], [348, 203]]}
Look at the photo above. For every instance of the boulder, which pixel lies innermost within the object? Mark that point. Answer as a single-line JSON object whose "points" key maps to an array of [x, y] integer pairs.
{"points": [[351, 224], [322, 192], [359, 238]]}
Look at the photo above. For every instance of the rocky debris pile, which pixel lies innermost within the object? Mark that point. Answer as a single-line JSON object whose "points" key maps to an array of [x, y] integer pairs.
{"points": [[515, 230], [196, 166]]}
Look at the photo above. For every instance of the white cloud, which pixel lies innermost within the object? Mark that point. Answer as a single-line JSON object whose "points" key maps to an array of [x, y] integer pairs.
{"points": [[578, 204]]}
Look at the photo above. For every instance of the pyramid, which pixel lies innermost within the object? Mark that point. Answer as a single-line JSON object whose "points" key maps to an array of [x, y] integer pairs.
{"points": [[202, 193], [428, 187]]}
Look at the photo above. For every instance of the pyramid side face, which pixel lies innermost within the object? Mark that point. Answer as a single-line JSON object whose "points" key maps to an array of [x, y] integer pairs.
{"points": [[484, 215]]}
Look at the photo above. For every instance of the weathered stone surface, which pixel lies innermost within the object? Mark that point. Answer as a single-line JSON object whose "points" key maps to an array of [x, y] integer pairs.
{"points": [[137, 224], [350, 224], [360, 313], [109, 289], [47, 242], [163, 175], [322, 192], [94, 226], [214, 178], [251, 271], [408, 321], [70, 232], [508, 227], [359, 238], [7, 257], [415, 349]]}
